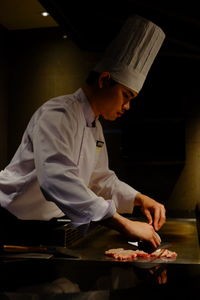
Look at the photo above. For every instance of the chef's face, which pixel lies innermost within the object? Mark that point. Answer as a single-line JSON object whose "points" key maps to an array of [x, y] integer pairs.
{"points": [[115, 100]]}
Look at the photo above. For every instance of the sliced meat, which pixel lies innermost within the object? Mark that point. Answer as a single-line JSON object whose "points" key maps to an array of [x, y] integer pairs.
{"points": [[164, 253], [168, 254], [157, 253], [128, 254], [125, 254], [121, 254], [112, 252], [141, 253]]}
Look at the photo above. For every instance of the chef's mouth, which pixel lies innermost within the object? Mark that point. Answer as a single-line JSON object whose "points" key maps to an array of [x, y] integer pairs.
{"points": [[119, 114]]}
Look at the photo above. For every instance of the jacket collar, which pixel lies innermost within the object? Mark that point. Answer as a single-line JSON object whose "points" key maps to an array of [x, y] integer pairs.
{"points": [[87, 109]]}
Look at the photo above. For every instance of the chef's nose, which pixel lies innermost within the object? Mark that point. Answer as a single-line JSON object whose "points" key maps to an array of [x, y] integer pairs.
{"points": [[126, 105]]}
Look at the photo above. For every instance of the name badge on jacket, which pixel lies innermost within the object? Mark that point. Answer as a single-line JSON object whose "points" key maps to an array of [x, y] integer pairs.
{"points": [[99, 144]]}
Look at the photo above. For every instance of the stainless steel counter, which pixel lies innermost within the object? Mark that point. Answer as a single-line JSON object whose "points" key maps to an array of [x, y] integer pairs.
{"points": [[182, 236], [179, 235]]}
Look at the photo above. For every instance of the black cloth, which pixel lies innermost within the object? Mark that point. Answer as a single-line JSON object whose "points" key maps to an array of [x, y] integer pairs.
{"points": [[14, 231]]}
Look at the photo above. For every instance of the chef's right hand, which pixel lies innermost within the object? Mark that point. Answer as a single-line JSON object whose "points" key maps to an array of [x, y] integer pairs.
{"points": [[134, 230], [143, 232]]}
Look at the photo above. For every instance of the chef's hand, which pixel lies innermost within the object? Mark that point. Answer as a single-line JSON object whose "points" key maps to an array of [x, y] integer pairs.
{"points": [[134, 230], [153, 210]]}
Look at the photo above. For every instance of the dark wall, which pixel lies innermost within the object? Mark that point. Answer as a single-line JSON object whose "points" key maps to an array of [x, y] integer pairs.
{"points": [[42, 65]]}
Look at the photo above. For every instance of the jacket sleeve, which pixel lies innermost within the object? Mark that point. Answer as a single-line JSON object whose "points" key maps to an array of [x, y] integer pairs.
{"points": [[53, 143], [105, 183]]}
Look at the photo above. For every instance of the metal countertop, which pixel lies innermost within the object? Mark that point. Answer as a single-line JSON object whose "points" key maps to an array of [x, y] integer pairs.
{"points": [[179, 235]]}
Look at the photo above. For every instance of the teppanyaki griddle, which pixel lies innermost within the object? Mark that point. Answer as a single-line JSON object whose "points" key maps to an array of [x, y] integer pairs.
{"points": [[179, 235]]}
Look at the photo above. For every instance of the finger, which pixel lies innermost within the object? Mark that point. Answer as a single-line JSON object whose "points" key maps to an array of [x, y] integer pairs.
{"points": [[154, 243], [156, 219], [162, 217], [158, 238], [148, 216], [159, 217]]}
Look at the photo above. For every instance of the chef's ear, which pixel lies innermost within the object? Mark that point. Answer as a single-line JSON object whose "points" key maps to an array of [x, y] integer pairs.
{"points": [[104, 79]]}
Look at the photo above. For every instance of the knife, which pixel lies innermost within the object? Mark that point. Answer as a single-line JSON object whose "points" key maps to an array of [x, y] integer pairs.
{"points": [[56, 251], [146, 247]]}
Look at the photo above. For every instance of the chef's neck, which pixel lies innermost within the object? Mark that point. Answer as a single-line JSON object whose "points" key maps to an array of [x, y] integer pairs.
{"points": [[91, 94]]}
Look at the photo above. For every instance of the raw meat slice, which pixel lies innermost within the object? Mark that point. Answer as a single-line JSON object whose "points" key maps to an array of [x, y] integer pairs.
{"points": [[168, 254], [125, 255], [128, 254], [141, 253], [111, 252]]}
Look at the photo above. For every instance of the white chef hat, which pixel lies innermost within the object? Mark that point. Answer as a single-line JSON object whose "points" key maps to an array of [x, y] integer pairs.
{"points": [[130, 55]]}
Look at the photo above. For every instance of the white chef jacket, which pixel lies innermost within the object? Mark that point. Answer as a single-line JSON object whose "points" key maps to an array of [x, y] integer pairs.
{"points": [[61, 167]]}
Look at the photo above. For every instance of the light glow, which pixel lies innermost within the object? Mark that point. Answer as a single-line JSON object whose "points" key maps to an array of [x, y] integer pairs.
{"points": [[44, 13]]}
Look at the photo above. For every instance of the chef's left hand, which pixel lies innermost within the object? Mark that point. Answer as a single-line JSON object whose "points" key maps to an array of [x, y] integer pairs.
{"points": [[153, 210]]}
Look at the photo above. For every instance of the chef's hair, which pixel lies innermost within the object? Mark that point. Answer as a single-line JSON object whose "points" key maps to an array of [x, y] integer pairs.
{"points": [[94, 76]]}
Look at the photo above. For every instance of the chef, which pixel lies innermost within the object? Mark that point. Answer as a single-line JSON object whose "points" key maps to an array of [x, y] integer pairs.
{"points": [[61, 166]]}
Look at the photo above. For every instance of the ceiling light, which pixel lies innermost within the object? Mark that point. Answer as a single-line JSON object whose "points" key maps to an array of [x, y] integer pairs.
{"points": [[44, 13]]}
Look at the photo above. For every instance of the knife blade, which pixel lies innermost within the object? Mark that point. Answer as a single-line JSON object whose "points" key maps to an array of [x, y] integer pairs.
{"points": [[146, 247]]}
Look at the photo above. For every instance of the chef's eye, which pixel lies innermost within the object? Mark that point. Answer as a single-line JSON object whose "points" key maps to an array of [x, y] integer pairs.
{"points": [[126, 96]]}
